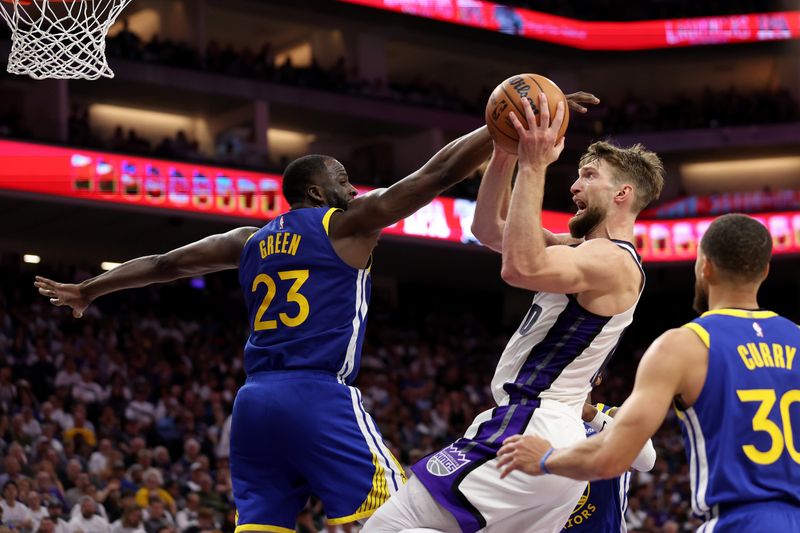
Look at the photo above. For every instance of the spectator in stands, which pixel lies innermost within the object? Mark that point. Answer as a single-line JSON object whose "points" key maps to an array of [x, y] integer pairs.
{"points": [[153, 483], [188, 516], [87, 390], [46, 525], [68, 376], [87, 520], [8, 391], [15, 514], [76, 494], [11, 470], [81, 428], [101, 460], [55, 509], [157, 516], [131, 521], [30, 427], [38, 512], [140, 409], [47, 483]]}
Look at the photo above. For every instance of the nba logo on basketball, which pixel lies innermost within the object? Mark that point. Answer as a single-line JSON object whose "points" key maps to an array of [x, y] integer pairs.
{"points": [[446, 461]]}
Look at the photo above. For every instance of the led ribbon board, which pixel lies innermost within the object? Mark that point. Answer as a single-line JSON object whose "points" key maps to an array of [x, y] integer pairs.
{"points": [[591, 35], [198, 189], [170, 186]]}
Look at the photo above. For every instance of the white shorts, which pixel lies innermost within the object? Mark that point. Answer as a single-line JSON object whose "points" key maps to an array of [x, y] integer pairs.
{"points": [[465, 492]]}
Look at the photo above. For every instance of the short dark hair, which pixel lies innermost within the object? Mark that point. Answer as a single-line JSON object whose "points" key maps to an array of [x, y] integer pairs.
{"points": [[738, 245], [636, 163], [299, 173]]}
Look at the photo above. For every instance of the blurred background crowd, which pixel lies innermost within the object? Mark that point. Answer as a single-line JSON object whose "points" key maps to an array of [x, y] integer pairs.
{"points": [[119, 422]]}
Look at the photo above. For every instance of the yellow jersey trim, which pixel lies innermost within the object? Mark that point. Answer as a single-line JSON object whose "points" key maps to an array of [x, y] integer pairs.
{"points": [[600, 406], [326, 220], [351, 518], [700, 331], [678, 410], [740, 313], [261, 527], [250, 237], [377, 496]]}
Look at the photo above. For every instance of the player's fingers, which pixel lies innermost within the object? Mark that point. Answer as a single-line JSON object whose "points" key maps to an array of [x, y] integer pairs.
{"points": [[583, 97], [530, 115], [560, 144], [516, 123], [575, 106], [507, 470], [544, 111], [512, 439], [45, 281], [504, 460], [558, 120], [57, 302], [47, 292]]}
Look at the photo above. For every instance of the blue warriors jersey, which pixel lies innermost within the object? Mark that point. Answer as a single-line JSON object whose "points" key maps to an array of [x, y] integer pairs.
{"points": [[743, 432], [307, 309], [602, 507]]}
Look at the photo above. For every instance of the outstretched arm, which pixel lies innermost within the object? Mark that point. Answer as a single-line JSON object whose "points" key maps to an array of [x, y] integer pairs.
{"points": [[212, 254], [369, 214], [662, 374]]}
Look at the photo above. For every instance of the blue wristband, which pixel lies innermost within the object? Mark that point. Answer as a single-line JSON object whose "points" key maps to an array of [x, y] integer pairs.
{"points": [[542, 466]]}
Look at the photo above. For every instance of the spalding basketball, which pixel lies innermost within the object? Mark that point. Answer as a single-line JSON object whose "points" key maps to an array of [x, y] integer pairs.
{"points": [[508, 97]]}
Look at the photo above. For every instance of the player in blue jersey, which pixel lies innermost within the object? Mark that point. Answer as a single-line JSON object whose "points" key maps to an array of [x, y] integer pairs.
{"points": [[734, 378], [602, 507], [298, 427]]}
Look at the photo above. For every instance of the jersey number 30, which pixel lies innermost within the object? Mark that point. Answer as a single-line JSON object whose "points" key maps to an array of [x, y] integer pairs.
{"points": [[292, 296], [781, 438]]}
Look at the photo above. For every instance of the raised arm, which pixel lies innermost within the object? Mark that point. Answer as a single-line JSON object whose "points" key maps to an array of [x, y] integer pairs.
{"points": [[664, 372], [494, 197], [212, 254], [528, 262], [369, 214]]}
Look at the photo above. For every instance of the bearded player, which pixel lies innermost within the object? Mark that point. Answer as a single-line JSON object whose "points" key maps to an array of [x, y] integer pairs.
{"points": [[586, 296]]}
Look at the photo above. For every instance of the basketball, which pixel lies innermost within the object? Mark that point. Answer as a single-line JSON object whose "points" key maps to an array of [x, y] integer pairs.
{"points": [[508, 97]]}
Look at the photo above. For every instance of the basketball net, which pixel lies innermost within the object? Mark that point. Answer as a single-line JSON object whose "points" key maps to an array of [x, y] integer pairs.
{"points": [[61, 39]]}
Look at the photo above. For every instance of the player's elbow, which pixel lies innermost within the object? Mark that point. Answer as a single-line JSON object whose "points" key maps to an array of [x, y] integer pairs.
{"points": [[519, 271], [488, 238], [511, 274]]}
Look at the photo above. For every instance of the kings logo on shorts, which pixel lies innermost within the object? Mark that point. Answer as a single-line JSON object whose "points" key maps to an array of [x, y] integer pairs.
{"points": [[446, 462]]}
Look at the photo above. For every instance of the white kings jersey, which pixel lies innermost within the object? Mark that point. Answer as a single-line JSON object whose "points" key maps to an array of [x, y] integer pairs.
{"points": [[559, 348]]}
